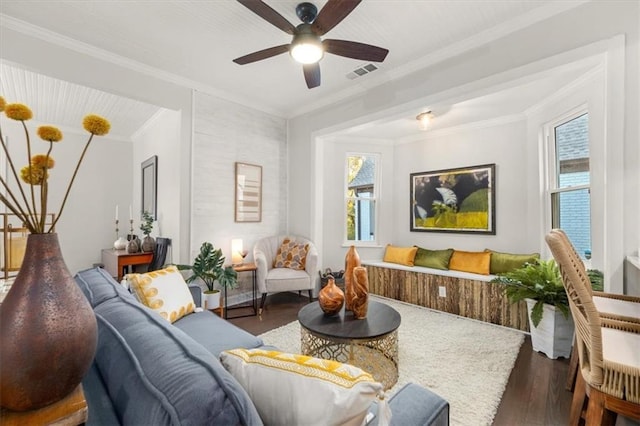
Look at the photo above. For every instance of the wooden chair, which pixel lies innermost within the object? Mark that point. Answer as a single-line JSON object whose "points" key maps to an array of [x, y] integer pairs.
{"points": [[609, 357]]}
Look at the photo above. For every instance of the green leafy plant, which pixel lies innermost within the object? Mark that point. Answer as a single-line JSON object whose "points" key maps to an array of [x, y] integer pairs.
{"points": [[539, 281], [147, 223], [209, 267], [597, 279]]}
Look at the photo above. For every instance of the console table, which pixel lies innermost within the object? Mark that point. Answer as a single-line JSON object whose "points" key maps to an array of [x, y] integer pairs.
{"points": [[115, 261], [370, 343]]}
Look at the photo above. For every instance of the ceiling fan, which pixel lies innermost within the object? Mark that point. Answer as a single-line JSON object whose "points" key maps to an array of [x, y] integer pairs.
{"points": [[306, 46]]}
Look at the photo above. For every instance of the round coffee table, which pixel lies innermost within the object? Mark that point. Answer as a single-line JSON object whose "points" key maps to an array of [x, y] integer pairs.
{"points": [[370, 343]]}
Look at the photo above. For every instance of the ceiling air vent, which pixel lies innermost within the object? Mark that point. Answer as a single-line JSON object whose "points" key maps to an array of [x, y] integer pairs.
{"points": [[359, 72]]}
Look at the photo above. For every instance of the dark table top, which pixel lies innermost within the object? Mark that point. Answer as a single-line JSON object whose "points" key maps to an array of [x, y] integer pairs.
{"points": [[381, 319]]}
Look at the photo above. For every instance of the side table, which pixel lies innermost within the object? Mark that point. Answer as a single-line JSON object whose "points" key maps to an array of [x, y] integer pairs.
{"points": [[70, 411], [244, 267]]}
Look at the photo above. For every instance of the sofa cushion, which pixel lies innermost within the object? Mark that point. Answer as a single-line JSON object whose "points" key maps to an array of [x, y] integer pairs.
{"points": [[437, 259], [291, 254], [401, 255], [507, 262], [477, 262], [98, 286], [165, 291], [216, 334], [157, 374], [292, 389]]}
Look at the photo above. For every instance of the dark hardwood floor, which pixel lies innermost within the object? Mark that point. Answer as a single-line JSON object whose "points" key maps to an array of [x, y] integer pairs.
{"points": [[535, 393]]}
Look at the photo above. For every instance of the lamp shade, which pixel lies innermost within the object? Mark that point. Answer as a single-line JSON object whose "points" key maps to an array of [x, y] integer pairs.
{"points": [[236, 251]]}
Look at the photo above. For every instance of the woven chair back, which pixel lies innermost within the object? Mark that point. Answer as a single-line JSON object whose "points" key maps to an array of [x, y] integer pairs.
{"points": [[585, 315]]}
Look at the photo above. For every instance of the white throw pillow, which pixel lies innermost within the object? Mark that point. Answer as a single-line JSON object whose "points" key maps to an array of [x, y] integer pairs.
{"points": [[292, 389], [164, 291]]}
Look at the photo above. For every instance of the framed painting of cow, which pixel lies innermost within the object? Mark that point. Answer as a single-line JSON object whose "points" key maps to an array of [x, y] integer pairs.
{"points": [[458, 200]]}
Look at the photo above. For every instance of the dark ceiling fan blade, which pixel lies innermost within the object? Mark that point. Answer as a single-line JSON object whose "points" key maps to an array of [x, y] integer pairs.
{"points": [[264, 11], [312, 75], [355, 50], [332, 14], [261, 54]]}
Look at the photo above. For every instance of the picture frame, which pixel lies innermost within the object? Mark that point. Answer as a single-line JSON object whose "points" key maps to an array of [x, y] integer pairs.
{"points": [[459, 200], [149, 185], [248, 192]]}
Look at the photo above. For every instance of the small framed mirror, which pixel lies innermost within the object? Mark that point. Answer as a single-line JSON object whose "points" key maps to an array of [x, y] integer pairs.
{"points": [[149, 186]]}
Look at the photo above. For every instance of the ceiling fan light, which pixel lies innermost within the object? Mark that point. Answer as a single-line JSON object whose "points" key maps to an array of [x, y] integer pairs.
{"points": [[424, 119], [306, 49]]}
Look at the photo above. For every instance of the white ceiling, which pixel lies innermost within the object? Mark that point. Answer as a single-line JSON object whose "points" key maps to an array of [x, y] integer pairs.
{"points": [[193, 43]]}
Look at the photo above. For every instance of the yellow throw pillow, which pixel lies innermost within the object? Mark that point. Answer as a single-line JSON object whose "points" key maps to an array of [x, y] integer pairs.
{"points": [[292, 255], [292, 389], [400, 255], [477, 262], [164, 291]]}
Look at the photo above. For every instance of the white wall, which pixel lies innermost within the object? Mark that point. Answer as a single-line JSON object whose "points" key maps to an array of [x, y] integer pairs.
{"points": [[550, 43], [160, 136], [226, 133], [503, 145], [87, 223]]}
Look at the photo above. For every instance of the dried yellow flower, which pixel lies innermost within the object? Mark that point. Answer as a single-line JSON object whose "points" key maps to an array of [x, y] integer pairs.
{"points": [[96, 125], [41, 160], [37, 176], [2, 104], [19, 112], [49, 133]]}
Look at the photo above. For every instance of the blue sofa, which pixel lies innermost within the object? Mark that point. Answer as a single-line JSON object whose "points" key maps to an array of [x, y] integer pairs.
{"points": [[149, 372]]}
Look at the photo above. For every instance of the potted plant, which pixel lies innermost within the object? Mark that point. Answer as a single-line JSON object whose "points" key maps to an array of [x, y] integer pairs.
{"points": [[146, 226], [208, 266], [540, 285]]}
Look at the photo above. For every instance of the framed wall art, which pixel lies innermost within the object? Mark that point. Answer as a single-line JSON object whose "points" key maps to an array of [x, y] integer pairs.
{"points": [[458, 200], [149, 186], [248, 193]]}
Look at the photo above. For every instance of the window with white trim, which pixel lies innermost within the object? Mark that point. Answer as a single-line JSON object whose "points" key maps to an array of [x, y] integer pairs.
{"points": [[570, 180], [361, 196]]}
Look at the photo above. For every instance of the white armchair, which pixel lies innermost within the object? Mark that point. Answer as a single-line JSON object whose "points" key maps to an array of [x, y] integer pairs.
{"points": [[274, 280]]}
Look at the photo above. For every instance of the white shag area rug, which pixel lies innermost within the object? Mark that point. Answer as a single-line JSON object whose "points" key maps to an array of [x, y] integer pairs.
{"points": [[466, 362]]}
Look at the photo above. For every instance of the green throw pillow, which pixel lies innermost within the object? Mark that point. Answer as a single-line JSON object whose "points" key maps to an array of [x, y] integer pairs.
{"points": [[507, 262], [436, 259]]}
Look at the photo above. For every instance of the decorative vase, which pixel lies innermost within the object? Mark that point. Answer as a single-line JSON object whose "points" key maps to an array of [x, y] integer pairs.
{"points": [[360, 303], [134, 245], [148, 244], [351, 260], [331, 298], [48, 331], [120, 244]]}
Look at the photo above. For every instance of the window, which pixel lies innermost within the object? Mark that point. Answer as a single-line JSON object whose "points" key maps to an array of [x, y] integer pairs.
{"points": [[361, 195], [569, 187]]}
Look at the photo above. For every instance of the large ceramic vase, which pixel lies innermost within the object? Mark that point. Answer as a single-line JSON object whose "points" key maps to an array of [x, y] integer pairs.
{"points": [[148, 244], [331, 298], [360, 303], [48, 331], [351, 261]]}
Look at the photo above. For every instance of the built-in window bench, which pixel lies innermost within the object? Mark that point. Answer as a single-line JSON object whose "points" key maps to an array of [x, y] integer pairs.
{"points": [[466, 294]]}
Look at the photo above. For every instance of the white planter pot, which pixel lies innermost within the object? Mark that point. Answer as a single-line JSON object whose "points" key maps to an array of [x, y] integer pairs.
{"points": [[211, 300], [554, 335]]}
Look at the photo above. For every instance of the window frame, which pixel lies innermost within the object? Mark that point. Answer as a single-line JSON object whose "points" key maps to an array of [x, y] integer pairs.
{"points": [[375, 199], [552, 187]]}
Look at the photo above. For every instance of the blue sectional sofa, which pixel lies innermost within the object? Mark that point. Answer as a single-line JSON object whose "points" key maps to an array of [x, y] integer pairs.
{"points": [[149, 372]]}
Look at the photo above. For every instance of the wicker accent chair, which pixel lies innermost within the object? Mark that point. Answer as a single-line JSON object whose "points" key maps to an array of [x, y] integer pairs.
{"points": [[274, 280], [623, 310], [609, 379]]}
